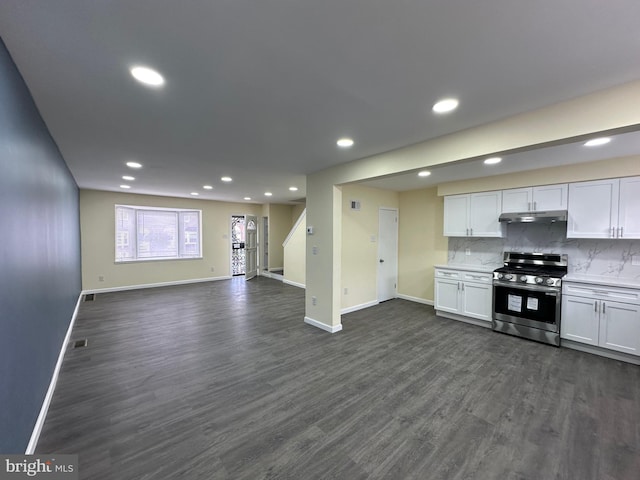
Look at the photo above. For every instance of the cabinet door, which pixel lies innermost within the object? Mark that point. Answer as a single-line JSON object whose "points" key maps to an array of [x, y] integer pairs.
{"points": [[447, 294], [517, 200], [456, 216], [550, 197], [629, 209], [484, 211], [593, 209], [476, 300], [620, 327], [580, 319]]}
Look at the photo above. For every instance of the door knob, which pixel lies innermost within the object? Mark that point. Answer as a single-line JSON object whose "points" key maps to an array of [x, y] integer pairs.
{"points": [[381, 261]]}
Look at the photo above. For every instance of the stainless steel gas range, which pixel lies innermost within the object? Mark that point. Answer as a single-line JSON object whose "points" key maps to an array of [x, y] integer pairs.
{"points": [[527, 295]]}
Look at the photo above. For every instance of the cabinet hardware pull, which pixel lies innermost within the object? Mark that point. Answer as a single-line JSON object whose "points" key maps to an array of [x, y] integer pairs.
{"points": [[595, 307], [621, 232], [604, 306], [463, 287]]}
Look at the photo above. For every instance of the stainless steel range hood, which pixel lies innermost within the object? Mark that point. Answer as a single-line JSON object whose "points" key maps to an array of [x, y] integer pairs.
{"points": [[551, 216]]}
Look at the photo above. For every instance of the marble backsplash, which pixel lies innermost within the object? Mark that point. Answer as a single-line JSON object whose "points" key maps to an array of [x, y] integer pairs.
{"points": [[609, 258]]}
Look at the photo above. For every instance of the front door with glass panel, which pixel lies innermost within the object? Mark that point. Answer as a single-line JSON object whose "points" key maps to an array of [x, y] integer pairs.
{"points": [[238, 252], [251, 246]]}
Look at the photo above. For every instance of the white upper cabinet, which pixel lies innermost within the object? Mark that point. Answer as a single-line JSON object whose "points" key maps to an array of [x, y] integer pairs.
{"points": [[550, 197], [473, 215], [532, 199], [604, 209], [456, 215], [593, 209], [629, 208]]}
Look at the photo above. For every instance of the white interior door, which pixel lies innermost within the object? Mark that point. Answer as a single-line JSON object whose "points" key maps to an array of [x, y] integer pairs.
{"points": [[251, 246], [387, 254]]}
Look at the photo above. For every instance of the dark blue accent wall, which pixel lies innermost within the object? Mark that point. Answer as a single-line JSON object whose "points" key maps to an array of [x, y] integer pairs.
{"points": [[40, 277]]}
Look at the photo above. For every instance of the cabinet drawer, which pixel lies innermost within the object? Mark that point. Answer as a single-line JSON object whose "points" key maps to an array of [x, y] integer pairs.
{"points": [[477, 277], [452, 274], [628, 295]]}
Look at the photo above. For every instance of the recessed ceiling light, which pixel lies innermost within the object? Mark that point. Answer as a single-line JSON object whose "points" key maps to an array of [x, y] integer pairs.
{"points": [[207, 187], [226, 179], [147, 76], [195, 194], [267, 194], [596, 142], [345, 142], [492, 160], [125, 186], [129, 178], [293, 189], [134, 165], [247, 198], [445, 105], [424, 173]]}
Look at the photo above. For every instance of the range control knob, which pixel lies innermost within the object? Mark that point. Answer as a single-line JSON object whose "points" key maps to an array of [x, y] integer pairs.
{"points": [[500, 275], [549, 281], [523, 278], [508, 276], [539, 280]]}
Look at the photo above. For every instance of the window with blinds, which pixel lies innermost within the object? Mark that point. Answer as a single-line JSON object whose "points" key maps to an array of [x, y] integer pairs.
{"points": [[147, 233]]}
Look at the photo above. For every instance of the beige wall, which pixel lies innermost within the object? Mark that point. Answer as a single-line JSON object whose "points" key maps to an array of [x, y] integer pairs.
{"points": [[294, 253], [421, 244], [279, 228], [611, 168], [359, 253], [97, 224], [296, 211]]}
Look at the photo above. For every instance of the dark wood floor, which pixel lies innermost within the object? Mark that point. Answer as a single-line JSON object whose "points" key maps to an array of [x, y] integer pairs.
{"points": [[223, 380]]}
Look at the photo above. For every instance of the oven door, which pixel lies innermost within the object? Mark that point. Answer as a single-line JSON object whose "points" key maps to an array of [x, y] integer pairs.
{"points": [[531, 306]]}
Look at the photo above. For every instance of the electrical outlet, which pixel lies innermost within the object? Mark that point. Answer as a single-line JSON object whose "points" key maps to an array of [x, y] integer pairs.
{"points": [[314, 301], [346, 291], [101, 278], [213, 269]]}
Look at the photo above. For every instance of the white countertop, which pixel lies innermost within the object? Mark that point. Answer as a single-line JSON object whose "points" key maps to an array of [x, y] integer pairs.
{"points": [[602, 280], [470, 268]]}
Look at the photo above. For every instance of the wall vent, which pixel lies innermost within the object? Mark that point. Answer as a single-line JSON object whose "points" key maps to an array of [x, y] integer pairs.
{"points": [[355, 204], [80, 343], [89, 297]]}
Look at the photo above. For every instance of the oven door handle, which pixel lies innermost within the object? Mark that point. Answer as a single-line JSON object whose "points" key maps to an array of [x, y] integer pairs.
{"points": [[551, 291]]}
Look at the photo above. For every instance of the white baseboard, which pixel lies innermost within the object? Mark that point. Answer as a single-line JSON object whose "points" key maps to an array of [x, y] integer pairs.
{"points": [[355, 308], [462, 318], [153, 285], [603, 352], [37, 429], [415, 299], [323, 326], [295, 284]]}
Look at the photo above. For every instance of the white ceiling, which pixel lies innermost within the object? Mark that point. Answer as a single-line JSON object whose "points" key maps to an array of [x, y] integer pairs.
{"points": [[261, 90]]}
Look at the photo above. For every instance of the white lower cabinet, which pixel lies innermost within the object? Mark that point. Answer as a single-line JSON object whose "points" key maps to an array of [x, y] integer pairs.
{"points": [[607, 317], [464, 293]]}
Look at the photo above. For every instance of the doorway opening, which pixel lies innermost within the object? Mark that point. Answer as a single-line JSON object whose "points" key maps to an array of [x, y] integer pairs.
{"points": [[238, 252]]}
